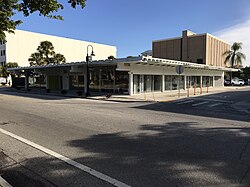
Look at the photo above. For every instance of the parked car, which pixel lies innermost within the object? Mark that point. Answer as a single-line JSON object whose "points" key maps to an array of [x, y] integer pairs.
{"points": [[227, 82], [3, 80], [238, 82]]}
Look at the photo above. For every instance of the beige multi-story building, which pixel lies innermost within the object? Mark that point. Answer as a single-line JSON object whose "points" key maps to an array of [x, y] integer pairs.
{"points": [[19, 46], [197, 48]]}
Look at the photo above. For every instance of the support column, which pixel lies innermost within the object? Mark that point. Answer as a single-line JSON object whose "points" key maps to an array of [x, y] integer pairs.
{"points": [[47, 81], [131, 83], [222, 77], [85, 84], [26, 80], [201, 81], [185, 82], [163, 83], [213, 82]]}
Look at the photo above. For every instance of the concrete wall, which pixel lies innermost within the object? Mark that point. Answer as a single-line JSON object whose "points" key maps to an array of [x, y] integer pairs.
{"points": [[22, 44], [196, 49], [168, 49], [191, 47], [214, 51]]}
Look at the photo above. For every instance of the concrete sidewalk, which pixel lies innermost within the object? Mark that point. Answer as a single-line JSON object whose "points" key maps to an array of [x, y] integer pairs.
{"points": [[166, 96], [143, 97]]}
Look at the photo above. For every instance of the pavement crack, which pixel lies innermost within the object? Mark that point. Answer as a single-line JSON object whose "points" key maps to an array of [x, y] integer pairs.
{"points": [[245, 174], [244, 149]]}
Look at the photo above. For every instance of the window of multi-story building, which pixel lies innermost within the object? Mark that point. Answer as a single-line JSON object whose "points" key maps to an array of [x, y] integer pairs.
{"points": [[2, 52], [2, 42], [200, 61]]}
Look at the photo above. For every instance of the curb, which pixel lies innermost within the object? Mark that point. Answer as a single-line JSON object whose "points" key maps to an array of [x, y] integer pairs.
{"points": [[4, 183]]}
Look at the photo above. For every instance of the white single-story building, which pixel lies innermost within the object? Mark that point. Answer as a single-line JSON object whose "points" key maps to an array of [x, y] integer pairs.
{"points": [[133, 75]]}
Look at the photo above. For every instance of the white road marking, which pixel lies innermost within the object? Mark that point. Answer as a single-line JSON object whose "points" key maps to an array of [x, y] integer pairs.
{"points": [[198, 104], [177, 101], [82, 167], [216, 104], [185, 102], [4, 183]]}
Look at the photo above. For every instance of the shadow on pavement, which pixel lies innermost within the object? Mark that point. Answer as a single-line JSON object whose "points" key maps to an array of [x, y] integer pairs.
{"points": [[227, 110], [43, 96], [172, 154], [47, 172]]}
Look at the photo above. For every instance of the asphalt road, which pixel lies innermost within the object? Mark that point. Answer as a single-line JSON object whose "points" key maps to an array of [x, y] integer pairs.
{"points": [[202, 141]]}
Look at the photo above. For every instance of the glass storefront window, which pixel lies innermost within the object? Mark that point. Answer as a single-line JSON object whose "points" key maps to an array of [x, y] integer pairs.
{"points": [[136, 84], [207, 81], [173, 82], [168, 82], [157, 82], [102, 78], [193, 80], [182, 82], [76, 82], [211, 82], [121, 81], [148, 83]]}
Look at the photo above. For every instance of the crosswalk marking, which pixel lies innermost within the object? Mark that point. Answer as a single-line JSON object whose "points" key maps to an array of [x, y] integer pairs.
{"points": [[185, 102], [216, 104], [177, 101], [194, 103], [201, 103]]}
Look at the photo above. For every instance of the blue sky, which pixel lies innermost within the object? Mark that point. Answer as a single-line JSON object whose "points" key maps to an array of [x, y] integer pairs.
{"points": [[131, 25]]}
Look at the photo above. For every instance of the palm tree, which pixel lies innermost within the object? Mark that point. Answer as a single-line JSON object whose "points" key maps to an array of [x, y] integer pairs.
{"points": [[4, 71], [4, 68], [58, 59], [12, 65], [46, 49], [234, 57], [46, 55], [36, 59]]}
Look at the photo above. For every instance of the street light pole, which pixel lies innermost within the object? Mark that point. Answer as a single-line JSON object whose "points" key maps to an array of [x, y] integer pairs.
{"points": [[87, 68]]}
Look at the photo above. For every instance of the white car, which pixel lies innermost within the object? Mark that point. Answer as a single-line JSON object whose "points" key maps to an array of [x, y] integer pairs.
{"points": [[3, 80], [237, 82]]}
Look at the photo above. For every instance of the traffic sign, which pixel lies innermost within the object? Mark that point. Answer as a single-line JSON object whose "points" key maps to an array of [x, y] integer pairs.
{"points": [[179, 69]]}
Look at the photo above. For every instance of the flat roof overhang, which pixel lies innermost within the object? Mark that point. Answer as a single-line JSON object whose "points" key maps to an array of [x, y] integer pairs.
{"points": [[143, 60], [140, 60], [93, 63]]}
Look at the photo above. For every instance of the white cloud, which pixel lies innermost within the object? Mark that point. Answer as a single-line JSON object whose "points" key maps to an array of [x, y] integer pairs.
{"points": [[238, 33]]}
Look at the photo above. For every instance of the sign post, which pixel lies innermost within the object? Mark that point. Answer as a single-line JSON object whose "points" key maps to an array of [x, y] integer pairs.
{"points": [[179, 70]]}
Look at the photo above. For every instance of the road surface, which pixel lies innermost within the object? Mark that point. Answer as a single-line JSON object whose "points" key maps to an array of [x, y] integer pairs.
{"points": [[202, 141]]}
